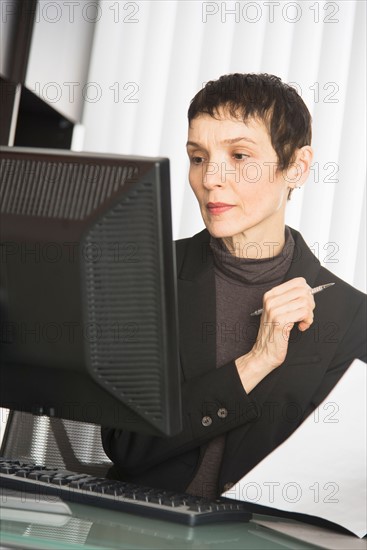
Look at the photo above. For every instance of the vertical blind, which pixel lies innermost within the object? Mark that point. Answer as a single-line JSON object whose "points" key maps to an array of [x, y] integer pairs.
{"points": [[149, 58]]}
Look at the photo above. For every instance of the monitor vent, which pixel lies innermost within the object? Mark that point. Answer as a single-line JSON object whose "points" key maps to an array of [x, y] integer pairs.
{"points": [[33, 188], [125, 337]]}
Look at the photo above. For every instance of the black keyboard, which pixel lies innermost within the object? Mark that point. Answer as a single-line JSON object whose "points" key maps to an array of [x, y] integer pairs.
{"points": [[118, 495]]}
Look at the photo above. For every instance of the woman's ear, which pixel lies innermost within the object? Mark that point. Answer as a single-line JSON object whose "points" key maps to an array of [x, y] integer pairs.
{"points": [[298, 171], [304, 158]]}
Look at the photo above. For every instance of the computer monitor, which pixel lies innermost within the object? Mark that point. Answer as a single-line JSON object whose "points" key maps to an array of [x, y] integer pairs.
{"points": [[89, 324]]}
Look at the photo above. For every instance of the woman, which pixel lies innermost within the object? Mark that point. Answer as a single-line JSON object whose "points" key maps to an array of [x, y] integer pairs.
{"points": [[247, 381]]}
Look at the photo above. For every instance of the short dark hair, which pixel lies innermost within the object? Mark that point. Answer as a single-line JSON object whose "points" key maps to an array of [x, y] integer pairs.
{"points": [[264, 97]]}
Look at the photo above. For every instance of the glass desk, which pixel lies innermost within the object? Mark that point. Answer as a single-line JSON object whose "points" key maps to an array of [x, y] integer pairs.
{"points": [[94, 528]]}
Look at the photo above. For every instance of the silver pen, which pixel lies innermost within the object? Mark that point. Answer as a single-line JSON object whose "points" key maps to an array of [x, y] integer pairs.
{"points": [[313, 291]]}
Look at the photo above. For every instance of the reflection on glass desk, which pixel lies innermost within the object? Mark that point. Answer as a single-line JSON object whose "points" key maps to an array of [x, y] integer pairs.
{"points": [[94, 528]]}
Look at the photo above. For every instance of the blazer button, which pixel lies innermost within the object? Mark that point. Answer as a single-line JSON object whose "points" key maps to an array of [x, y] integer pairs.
{"points": [[222, 413], [227, 486], [206, 421]]}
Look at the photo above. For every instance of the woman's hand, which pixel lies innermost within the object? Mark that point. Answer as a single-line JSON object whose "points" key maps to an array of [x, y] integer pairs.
{"points": [[284, 305]]}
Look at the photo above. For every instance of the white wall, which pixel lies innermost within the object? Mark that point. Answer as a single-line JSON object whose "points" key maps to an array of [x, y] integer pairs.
{"points": [[150, 58], [129, 70]]}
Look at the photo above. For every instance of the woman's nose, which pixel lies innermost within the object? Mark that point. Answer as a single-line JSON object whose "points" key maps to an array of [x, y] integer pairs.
{"points": [[219, 174], [212, 174]]}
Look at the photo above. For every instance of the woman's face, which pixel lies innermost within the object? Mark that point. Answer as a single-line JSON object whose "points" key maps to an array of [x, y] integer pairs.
{"points": [[233, 175]]}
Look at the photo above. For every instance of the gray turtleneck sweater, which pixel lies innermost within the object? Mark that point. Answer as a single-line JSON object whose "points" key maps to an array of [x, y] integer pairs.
{"points": [[240, 284]]}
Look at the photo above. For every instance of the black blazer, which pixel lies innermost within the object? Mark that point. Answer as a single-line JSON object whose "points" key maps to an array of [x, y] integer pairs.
{"points": [[256, 423]]}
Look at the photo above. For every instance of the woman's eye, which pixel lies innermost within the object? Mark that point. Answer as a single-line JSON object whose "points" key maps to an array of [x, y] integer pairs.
{"points": [[240, 156], [197, 160]]}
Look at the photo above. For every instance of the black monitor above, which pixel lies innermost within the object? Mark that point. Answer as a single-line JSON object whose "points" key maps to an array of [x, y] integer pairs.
{"points": [[88, 307]]}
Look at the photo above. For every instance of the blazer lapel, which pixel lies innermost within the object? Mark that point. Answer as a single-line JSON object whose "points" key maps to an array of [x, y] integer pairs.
{"points": [[304, 349], [196, 302], [304, 264]]}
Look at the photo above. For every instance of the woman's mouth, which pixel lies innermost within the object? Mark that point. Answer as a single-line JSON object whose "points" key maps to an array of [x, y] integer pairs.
{"points": [[217, 208]]}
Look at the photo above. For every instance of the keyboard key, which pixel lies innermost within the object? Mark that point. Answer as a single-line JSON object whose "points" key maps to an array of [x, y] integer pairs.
{"points": [[103, 486], [47, 476], [7, 468], [78, 483], [36, 474], [59, 480], [22, 473], [200, 508]]}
